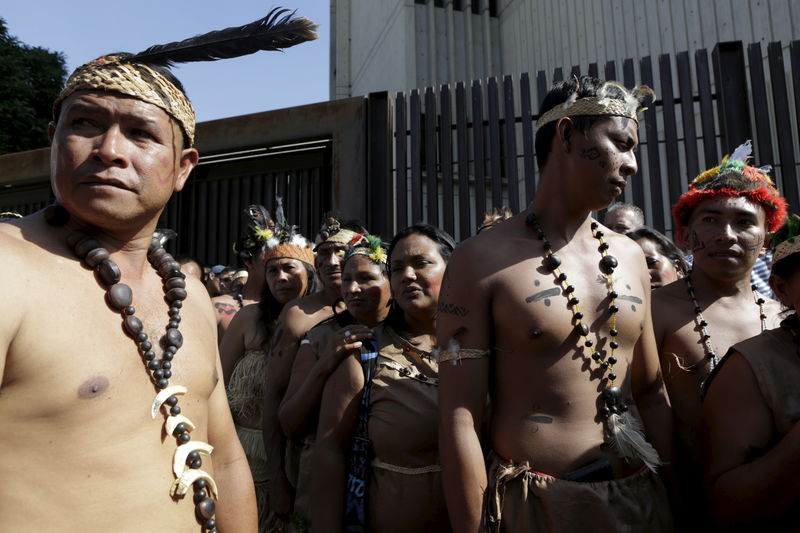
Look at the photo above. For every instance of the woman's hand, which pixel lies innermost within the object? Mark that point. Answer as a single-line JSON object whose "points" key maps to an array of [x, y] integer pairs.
{"points": [[344, 342]]}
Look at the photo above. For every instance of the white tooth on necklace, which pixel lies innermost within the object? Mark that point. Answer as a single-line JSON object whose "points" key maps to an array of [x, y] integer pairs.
{"points": [[162, 396]]}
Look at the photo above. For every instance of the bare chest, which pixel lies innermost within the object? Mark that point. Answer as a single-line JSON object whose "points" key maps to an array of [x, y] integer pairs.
{"points": [[692, 336], [534, 311], [73, 354]]}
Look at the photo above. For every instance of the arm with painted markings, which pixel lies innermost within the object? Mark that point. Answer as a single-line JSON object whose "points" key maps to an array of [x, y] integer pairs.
{"points": [[464, 323]]}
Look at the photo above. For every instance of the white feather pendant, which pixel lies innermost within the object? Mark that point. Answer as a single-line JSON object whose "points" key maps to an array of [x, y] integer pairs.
{"points": [[743, 151], [571, 100], [272, 243], [629, 441], [298, 240]]}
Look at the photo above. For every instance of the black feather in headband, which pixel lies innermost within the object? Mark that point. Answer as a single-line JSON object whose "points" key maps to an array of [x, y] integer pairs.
{"points": [[278, 30]]}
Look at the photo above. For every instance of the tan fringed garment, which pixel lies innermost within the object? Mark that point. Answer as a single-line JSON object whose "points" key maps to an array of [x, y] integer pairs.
{"points": [[519, 500], [139, 81], [246, 386]]}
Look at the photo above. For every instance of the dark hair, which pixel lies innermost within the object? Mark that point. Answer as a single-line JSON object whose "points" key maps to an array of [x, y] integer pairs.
{"points": [[664, 246], [446, 243], [786, 266], [558, 94], [271, 308]]}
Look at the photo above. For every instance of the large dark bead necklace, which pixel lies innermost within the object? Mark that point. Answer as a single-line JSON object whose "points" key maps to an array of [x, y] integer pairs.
{"points": [[612, 395], [119, 296], [711, 356]]}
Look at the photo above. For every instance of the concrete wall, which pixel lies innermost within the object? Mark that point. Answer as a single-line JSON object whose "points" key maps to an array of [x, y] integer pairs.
{"points": [[544, 34], [401, 45]]}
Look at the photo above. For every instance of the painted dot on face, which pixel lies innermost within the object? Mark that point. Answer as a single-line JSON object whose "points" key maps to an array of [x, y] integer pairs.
{"points": [[547, 303], [633, 308], [537, 282]]}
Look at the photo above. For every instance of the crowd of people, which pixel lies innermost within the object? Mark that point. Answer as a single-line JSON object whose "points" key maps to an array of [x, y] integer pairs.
{"points": [[551, 373]]}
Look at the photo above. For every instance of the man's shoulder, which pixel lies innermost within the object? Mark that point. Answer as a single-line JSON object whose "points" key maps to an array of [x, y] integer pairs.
{"points": [[493, 248], [26, 244], [620, 242]]}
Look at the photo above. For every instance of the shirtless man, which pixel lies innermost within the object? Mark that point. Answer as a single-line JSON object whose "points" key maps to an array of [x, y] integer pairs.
{"points": [[80, 448], [508, 324], [296, 319], [724, 220]]}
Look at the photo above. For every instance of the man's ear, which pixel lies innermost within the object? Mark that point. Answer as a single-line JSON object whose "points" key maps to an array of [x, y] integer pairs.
{"points": [[765, 247], [189, 159], [564, 130]]}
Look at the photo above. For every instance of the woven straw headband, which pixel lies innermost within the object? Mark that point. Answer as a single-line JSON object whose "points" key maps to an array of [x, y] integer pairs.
{"points": [[591, 106], [290, 251], [132, 79], [785, 249]]}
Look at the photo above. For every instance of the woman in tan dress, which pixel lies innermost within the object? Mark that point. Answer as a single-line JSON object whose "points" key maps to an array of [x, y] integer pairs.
{"points": [[367, 295], [376, 461], [289, 274]]}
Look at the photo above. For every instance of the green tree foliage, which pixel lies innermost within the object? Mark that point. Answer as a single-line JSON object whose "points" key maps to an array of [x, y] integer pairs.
{"points": [[30, 79]]}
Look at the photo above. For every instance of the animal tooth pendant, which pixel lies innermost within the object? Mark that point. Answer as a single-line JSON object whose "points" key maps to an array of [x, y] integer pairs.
{"points": [[163, 396], [182, 454], [172, 423], [181, 485]]}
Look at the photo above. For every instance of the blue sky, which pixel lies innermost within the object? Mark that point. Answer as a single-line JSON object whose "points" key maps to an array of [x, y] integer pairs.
{"points": [[85, 29]]}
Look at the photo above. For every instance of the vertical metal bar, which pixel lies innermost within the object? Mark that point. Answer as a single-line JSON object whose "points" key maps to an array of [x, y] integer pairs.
{"points": [[494, 145], [213, 223], [688, 117], [637, 187], [380, 198], [527, 138], [594, 72], [401, 170], [670, 129], [558, 75], [783, 124], [541, 85], [416, 158], [763, 141], [510, 144], [464, 223], [732, 102], [477, 139], [431, 167], [446, 155], [706, 108], [223, 221], [610, 71], [653, 157]]}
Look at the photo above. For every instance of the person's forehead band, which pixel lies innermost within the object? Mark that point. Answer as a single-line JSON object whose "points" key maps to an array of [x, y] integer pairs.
{"points": [[623, 103], [137, 80]]}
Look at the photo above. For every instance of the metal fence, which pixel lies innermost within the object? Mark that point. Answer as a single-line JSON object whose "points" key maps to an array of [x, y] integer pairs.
{"points": [[455, 152], [445, 155]]}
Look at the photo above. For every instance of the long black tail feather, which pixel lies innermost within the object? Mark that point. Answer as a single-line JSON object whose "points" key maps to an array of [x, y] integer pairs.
{"points": [[278, 30]]}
